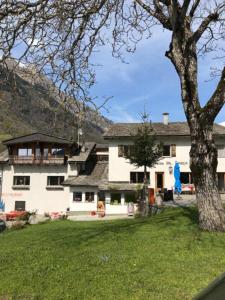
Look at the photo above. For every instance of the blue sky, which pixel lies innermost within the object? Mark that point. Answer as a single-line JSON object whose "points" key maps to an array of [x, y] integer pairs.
{"points": [[149, 80]]}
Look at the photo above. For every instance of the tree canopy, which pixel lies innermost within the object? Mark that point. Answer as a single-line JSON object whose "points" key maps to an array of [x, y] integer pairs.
{"points": [[145, 151]]}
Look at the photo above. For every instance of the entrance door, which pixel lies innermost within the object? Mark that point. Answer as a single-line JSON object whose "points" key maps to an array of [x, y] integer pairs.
{"points": [[159, 180]]}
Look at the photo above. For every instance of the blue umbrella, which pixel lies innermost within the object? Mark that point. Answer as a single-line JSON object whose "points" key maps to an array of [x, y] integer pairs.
{"points": [[2, 205], [178, 188]]}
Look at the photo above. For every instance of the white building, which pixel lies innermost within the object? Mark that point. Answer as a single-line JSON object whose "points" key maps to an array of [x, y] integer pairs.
{"points": [[52, 174]]}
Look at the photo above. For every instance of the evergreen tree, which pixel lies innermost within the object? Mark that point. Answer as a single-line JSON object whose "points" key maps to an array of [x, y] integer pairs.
{"points": [[145, 152]]}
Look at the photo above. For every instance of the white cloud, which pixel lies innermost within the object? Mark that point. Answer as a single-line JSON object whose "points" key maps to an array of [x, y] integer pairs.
{"points": [[222, 123]]}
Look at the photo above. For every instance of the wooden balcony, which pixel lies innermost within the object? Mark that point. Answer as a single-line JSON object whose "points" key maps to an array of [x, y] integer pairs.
{"points": [[40, 160]]}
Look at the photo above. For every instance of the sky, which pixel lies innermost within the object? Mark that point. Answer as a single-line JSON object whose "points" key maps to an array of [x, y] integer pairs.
{"points": [[147, 81]]}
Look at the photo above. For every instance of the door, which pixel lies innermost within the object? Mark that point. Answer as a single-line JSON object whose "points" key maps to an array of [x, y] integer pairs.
{"points": [[159, 181]]}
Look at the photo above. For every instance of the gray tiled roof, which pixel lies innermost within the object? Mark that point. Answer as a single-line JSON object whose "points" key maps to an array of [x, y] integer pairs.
{"points": [[111, 186], [99, 175], [37, 137], [172, 129], [83, 155]]}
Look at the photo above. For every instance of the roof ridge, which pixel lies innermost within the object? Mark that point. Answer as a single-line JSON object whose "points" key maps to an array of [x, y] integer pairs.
{"points": [[33, 133]]}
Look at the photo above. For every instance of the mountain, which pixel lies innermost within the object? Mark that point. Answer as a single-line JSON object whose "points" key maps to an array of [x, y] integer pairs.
{"points": [[28, 103]]}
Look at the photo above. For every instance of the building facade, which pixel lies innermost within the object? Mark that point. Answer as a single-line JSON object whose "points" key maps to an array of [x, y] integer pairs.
{"points": [[50, 174]]}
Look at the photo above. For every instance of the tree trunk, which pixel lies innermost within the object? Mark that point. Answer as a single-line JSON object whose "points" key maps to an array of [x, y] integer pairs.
{"points": [[144, 208], [203, 164], [203, 154], [146, 191]]}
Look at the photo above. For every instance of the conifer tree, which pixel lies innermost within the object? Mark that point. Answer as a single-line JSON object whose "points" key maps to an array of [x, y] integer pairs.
{"points": [[145, 152]]}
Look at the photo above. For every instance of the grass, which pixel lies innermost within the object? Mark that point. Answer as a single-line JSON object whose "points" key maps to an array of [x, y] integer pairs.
{"points": [[163, 257]]}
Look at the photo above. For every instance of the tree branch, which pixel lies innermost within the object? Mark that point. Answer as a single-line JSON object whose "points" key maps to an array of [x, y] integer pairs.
{"points": [[157, 13], [204, 25], [184, 8], [194, 7], [216, 102]]}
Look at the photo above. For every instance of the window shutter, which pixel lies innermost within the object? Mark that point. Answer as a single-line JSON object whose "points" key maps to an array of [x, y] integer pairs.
{"points": [[120, 150], [173, 150]]}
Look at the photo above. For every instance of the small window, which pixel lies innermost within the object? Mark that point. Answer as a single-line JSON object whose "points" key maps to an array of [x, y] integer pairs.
{"points": [[89, 196], [130, 197], [21, 180], [166, 150], [138, 177], [24, 152], [55, 180], [20, 205], [186, 178], [115, 198], [77, 196], [125, 150]]}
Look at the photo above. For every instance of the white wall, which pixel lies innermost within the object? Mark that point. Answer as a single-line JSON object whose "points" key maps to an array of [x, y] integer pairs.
{"points": [[83, 206], [120, 168], [38, 196]]}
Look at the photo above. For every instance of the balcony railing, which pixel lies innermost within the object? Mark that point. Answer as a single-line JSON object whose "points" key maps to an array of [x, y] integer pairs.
{"points": [[37, 160]]}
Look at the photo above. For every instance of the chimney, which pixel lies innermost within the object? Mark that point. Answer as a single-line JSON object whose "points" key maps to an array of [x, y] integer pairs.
{"points": [[165, 118]]}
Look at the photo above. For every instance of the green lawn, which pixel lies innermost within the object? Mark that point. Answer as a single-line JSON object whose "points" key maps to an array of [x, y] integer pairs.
{"points": [[164, 257]]}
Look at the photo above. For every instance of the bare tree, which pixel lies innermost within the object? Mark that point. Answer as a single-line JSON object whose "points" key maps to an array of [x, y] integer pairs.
{"points": [[58, 37]]}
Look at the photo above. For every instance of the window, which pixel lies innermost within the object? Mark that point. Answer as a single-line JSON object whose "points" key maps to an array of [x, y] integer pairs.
{"points": [[55, 180], [20, 205], [89, 196], [77, 196], [115, 198], [57, 151], [45, 153], [21, 180], [166, 150], [24, 152], [130, 197], [124, 150], [138, 177], [186, 178], [221, 151], [38, 153]]}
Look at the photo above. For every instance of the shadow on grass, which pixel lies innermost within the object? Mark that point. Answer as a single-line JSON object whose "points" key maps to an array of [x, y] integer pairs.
{"points": [[191, 213], [70, 234], [76, 234]]}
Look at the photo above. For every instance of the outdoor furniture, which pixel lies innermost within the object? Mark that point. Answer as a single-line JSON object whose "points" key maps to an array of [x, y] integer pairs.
{"points": [[188, 188], [12, 215]]}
